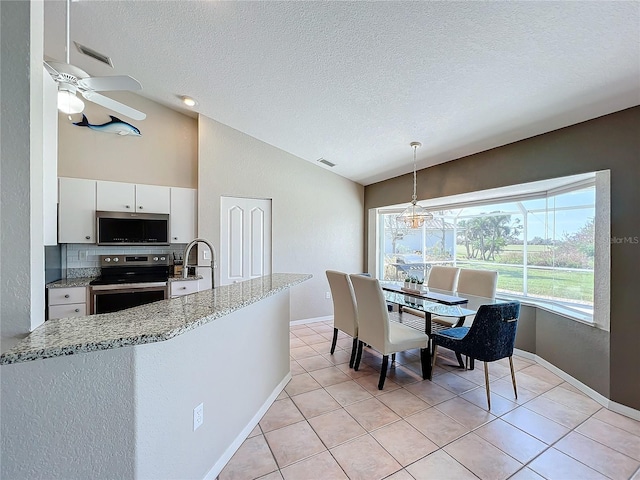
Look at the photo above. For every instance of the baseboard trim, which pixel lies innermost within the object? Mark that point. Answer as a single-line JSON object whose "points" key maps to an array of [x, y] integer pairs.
{"points": [[588, 391], [311, 320], [235, 445]]}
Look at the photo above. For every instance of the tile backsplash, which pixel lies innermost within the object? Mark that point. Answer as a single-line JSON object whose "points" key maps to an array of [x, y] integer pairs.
{"points": [[86, 256]]}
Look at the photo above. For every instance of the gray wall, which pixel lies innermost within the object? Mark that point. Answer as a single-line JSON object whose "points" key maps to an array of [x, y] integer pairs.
{"points": [[317, 216], [21, 210], [609, 142]]}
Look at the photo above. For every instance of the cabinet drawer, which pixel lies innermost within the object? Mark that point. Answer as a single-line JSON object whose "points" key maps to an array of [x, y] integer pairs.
{"points": [[63, 296], [184, 287], [64, 311]]}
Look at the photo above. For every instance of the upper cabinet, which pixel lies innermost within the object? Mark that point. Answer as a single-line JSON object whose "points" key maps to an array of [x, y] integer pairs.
{"points": [[79, 199], [128, 197], [116, 196], [153, 199], [184, 214], [77, 210]]}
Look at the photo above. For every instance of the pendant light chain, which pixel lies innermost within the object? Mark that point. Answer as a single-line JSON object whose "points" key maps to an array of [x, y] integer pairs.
{"points": [[414, 198], [414, 215]]}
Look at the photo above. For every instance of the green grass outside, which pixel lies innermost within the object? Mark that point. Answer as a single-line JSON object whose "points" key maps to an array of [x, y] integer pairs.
{"points": [[557, 284]]}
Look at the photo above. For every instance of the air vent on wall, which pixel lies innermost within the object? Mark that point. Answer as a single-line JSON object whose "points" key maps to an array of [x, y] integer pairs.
{"points": [[326, 162], [93, 54]]}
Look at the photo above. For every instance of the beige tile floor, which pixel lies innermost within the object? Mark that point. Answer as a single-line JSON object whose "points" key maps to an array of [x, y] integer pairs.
{"points": [[332, 422]]}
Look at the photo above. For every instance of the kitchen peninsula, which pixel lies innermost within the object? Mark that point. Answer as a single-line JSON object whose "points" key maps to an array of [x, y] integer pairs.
{"points": [[227, 349]]}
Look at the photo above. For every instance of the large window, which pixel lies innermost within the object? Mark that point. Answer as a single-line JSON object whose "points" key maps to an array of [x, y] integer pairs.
{"points": [[541, 242]]}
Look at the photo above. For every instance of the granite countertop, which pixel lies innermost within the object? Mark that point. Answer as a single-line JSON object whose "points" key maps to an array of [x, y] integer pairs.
{"points": [[190, 277], [154, 322], [84, 281], [71, 282]]}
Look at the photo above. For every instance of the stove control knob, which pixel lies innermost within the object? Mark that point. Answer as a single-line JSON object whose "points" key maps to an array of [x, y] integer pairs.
{"points": [[155, 259], [107, 259], [115, 259], [162, 258]]}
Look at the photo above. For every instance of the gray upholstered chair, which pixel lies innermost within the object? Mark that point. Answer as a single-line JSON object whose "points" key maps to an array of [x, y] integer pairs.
{"points": [[491, 337], [375, 329], [344, 310]]}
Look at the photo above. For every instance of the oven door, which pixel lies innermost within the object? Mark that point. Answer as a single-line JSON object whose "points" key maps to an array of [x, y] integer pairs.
{"points": [[113, 298]]}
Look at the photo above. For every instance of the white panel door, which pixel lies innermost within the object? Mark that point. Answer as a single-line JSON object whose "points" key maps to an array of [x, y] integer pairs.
{"points": [[245, 239]]}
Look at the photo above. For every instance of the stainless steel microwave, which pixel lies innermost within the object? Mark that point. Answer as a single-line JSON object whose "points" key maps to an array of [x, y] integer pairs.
{"points": [[130, 228]]}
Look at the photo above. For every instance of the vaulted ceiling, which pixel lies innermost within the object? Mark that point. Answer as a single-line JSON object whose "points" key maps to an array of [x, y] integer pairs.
{"points": [[356, 82]]}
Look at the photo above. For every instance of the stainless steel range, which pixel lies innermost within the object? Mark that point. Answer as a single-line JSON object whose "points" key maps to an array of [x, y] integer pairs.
{"points": [[129, 280]]}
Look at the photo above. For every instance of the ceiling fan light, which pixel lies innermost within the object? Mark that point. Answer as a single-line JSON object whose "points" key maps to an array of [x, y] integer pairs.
{"points": [[69, 103]]}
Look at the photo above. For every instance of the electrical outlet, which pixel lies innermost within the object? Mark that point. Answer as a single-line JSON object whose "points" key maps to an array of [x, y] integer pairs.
{"points": [[327, 295], [205, 255], [198, 416], [82, 255]]}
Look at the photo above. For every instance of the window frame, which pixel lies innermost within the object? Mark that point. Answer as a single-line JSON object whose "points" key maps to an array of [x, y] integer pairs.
{"points": [[575, 311]]}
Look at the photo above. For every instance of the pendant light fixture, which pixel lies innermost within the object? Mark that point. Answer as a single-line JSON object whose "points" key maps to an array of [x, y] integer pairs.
{"points": [[414, 215]]}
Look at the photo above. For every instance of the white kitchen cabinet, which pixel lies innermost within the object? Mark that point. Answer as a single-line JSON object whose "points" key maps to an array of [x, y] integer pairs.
{"points": [[129, 197], [184, 214], [67, 302], [116, 196], [77, 210], [152, 199], [183, 287]]}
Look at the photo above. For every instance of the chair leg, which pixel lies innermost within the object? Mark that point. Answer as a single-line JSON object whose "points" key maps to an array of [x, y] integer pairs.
{"points": [[472, 363], [433, 358], [335, 339], [425, 360], [356, 365], [513, 377], [393, 358], [486, 382], [460, 362], [354, 347], [383, 371]]}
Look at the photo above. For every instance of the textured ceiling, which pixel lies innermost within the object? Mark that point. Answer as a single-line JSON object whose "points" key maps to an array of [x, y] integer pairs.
{"points": [[355, 82]]}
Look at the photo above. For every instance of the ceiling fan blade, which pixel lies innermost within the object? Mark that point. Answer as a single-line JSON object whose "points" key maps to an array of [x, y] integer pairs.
{"points": [[52, 71], [115, 82], [113, 105]]}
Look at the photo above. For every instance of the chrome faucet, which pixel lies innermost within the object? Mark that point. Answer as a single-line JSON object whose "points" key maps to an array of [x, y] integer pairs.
{"points": [[187, 250]]}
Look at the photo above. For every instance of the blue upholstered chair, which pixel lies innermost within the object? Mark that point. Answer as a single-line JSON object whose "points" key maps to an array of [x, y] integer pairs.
{"points": [[491, 337]]}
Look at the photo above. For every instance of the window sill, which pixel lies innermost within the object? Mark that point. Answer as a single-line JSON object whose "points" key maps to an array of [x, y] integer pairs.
{"points": [[567, 312]]}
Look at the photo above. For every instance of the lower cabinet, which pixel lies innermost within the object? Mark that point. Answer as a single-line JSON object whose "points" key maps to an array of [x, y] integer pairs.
{"points": [[67, 302], [183, 287]]}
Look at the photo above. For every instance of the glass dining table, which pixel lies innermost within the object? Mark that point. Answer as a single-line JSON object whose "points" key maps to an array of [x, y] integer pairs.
{"points": [[427, 302]]}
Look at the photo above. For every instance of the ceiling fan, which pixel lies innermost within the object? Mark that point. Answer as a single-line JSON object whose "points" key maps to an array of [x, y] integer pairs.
{"points": [[71, 79]]}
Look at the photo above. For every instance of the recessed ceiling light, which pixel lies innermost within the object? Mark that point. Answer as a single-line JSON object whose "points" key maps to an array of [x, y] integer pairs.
{"points": [[188, 101]]}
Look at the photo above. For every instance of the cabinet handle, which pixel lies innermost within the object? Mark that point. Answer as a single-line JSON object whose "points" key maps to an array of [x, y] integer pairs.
{"points": [[127, 206], [88, 237], [183, 288], [77, 310], [140, 207], [175, 238], [66, 296]]}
